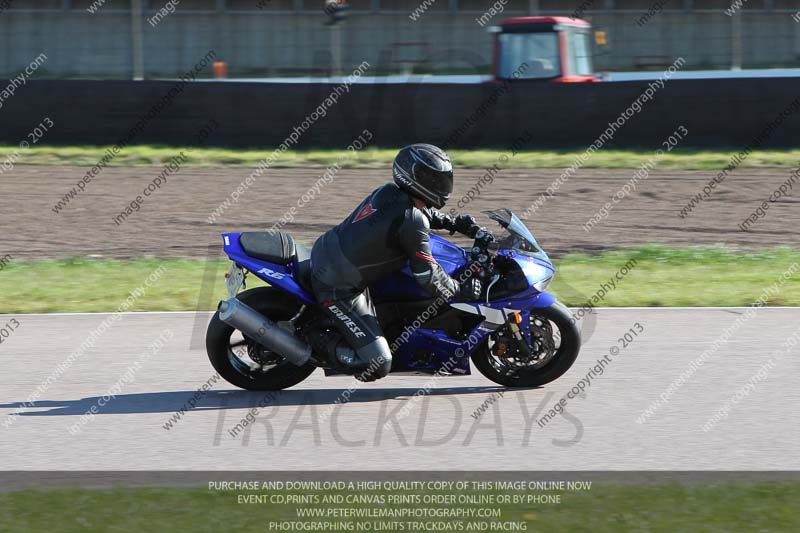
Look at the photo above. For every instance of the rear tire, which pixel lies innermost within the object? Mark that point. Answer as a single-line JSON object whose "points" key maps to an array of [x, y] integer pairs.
{"points": [[553, 369], [275, 305]]}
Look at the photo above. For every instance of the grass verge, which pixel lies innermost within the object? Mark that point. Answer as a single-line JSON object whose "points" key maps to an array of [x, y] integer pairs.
{"points": [[604, 508], [379, 157], [648, 276]]}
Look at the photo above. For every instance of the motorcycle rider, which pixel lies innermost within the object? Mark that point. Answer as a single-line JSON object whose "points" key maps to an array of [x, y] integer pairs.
{"points": [[390, 227]]}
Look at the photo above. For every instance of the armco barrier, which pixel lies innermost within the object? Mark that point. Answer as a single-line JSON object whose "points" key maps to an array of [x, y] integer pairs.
{"points": [[727, 112]]}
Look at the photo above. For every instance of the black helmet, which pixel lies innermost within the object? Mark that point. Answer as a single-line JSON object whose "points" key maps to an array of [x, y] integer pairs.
{"points": [[424, 171]]}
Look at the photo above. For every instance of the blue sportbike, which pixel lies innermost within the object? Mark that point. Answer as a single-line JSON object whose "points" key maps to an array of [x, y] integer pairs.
{"points": [[517, 335]]}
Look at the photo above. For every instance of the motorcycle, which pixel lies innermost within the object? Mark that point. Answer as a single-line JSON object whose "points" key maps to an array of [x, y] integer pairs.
{"points": [[517, 335]]}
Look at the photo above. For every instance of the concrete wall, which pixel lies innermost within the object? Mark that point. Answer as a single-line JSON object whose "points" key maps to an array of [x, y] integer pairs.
{"points": [[79, 44]]}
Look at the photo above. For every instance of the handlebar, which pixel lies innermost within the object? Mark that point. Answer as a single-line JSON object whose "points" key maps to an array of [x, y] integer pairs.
{"points": [[480, 252], [483, 238]]}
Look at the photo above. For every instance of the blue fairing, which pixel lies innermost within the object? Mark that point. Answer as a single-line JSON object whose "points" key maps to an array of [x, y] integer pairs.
{"points": [[536, 270], [401, 285], [452, 258]]}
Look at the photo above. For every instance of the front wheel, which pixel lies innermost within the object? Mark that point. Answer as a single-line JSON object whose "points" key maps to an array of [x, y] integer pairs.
{"points": [[245, 363], [554, 341]]}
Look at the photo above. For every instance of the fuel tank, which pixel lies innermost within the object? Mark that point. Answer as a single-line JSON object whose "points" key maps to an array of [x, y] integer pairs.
{"points": [[400, 286]]}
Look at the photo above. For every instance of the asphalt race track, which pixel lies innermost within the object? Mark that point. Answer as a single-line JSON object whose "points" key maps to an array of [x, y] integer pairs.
{"points": [[300, 430]]}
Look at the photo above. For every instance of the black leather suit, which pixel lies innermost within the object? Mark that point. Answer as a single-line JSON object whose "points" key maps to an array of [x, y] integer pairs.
{"points": [[384, 232]]}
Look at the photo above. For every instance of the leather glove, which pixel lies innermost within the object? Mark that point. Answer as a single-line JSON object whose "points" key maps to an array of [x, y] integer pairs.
{"points": [[466, 225], [470, 290]]}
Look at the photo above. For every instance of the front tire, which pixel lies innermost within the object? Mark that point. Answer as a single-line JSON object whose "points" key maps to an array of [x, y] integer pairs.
{"points": [[551, 368], [235, 366]]}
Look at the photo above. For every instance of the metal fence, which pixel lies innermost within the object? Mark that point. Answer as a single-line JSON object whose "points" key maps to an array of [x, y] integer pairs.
{"points": [[266, 38]]}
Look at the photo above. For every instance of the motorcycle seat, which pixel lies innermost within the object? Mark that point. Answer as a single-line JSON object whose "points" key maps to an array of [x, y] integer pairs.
{"points": [[302, 268], [277, 247]]}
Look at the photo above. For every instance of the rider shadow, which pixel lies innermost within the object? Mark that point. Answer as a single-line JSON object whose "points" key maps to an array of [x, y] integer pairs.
{"points": [[171, 402]]}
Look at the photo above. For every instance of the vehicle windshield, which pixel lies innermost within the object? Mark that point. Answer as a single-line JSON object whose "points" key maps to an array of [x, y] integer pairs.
{"points": [[519, 237], [538, 53]]}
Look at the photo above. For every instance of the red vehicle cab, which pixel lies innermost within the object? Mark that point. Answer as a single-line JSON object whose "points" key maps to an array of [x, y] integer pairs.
{"points": [[543, 48]]}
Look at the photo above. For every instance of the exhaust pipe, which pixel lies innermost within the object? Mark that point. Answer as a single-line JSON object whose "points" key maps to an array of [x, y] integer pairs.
{"points": [[264, 331]]}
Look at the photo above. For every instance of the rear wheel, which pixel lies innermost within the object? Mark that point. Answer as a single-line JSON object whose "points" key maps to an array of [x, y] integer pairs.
{"points": [[245, 363], [554, 342]]}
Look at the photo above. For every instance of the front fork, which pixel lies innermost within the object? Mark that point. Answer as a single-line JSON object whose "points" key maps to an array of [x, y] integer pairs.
{"points": [[513, 329], [520, 342]]}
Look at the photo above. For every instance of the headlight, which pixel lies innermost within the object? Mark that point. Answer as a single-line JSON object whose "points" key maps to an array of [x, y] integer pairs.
{"points": [[541, 286]]}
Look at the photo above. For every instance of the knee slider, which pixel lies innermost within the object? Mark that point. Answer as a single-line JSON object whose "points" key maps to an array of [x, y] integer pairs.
{"points": [[378, 356]]}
